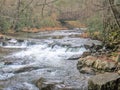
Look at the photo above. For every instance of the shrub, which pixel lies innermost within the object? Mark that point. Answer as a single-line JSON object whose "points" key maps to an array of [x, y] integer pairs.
{"points": [[48, 22], [4, 24], [95, 25]]}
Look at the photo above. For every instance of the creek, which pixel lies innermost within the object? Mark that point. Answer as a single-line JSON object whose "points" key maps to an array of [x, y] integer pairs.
{"points": [[52, 55]]}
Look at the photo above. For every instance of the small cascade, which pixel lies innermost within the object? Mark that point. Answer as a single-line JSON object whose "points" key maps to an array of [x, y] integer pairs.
{"points": [[53, 51], [16, 43], [51, 58]]}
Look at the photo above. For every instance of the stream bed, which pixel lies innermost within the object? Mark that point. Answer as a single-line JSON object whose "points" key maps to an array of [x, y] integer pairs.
{"points": [[52, 55]]}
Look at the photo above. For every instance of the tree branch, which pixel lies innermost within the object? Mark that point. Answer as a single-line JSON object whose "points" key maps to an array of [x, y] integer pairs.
{"points": [[113, 12]]}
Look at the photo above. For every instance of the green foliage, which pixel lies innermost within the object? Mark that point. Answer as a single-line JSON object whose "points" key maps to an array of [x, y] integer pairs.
{"points": [[95, 24], [4, 24], [113, 39], [24, 21]]}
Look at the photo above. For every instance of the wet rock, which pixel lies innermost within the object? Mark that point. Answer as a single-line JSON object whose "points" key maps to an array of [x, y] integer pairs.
{"points": [[87, 53], [63, 87], [107, 81], [44, 84], [8, 62], [87, 70], [74, 57], [25, 69], [91, 47], [4, 43], [20, 40], [39, 83]]}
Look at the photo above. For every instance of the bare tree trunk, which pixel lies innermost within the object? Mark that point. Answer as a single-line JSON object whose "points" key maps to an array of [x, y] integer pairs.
{"points": [[16, 20], [44, 4]]}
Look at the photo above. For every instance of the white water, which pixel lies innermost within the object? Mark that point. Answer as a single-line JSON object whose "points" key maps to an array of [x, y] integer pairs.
{"points": [[48, 59], [42, 55], [47, 55]]}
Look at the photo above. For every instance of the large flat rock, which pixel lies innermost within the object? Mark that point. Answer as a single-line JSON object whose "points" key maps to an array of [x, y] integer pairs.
{"points": [[107, 81]]}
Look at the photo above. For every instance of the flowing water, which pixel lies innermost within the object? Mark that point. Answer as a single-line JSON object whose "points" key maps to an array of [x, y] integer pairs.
{"points": [[51, 55]]}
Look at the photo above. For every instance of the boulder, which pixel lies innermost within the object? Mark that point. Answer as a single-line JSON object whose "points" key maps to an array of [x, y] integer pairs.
{"points": [[107, 81], [104, 65], [44, 84], [98, 64]]}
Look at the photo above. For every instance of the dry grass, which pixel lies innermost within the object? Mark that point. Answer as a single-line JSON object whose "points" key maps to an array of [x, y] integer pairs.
{"points": [[1, 35], [76, 24], [35, 30], [85, 35]]}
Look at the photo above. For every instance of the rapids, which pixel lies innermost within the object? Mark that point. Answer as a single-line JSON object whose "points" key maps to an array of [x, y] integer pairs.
{"points": [[45, 54]]}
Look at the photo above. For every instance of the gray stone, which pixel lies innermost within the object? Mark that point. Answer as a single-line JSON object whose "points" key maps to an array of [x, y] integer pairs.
{"points": [[100, 65], [107, 81], [89, 63], [44, 84], [87, 70]]}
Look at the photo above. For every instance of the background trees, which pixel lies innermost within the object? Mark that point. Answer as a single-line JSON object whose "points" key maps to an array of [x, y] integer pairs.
{"points": [[112, 23], [101, 16]]}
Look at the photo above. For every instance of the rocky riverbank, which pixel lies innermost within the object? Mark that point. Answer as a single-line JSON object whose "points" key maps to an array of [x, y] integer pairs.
{"points": [[48, 62], [94, 65], [103, 66]]}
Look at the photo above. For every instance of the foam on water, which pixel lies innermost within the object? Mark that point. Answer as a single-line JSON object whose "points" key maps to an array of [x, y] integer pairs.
{"points": [[13, 43], [6, 76], [49, 58], [22, 86], [47, 55]]}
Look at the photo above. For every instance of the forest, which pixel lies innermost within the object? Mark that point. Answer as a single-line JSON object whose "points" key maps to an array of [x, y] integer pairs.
{"points": [[102, 16], [59, 44]]}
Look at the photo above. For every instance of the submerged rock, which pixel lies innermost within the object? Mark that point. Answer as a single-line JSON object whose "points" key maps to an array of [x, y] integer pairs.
{"points": [[107, 81], [74, 57], [44, 84], [63, 87]]}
